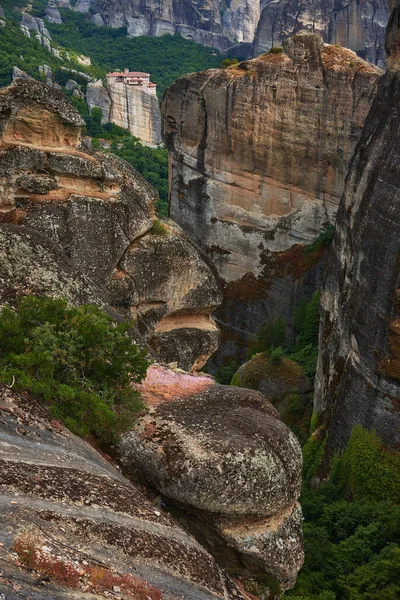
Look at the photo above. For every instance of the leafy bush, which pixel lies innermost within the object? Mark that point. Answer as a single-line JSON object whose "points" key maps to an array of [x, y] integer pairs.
{"points": [[229, 62], [152, 163], [76, 360], [324, 240], [276, 355]]}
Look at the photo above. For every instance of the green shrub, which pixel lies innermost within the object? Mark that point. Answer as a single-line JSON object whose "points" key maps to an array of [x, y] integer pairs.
{"points": [[368, 469], [77, 360], [275, 50], [229, 62], [225, 373], [276, 355], [324, 240]]}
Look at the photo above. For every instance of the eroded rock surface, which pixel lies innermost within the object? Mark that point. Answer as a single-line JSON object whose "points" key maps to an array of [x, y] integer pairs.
{"points": [[358, 370], [83, 211], [259, 153], [221, 451], [66, 497]]}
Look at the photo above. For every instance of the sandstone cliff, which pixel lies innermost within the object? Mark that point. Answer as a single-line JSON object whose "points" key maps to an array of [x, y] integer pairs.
{"points": [[358, 369], [258, 157], [128, 107], [77, 220]]}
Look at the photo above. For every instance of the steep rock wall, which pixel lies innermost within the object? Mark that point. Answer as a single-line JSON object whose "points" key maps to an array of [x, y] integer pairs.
{"points": [[128, 107], [258, 155], [358, 379]]}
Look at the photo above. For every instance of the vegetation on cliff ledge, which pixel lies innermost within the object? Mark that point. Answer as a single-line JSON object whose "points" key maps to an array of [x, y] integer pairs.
{"points": [[77, 360]]}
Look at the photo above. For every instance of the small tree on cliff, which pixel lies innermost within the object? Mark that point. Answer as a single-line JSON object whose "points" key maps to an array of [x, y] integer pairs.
{"points": [[77, 360]]}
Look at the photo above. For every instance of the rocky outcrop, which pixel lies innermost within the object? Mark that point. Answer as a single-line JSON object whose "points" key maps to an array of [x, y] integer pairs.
{"points": [[359, 26], [128, 107], [358, 379], [60, 497], [258, 157], [222, 453], [91, 216], [53, 14], [210, 23], [135, 110]]}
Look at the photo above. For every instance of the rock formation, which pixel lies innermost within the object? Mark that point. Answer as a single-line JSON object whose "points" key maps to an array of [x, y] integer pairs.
{"points": [[358, 370], [222, 454], [359, 26], [88, 215], [81, 225], [128, 107], [257, 25], [258, 156], [62, 496]]}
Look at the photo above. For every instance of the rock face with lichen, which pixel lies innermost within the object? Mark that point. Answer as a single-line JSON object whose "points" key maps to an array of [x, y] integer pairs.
{"points": [[258, 155], [84, 224], [222, 454], [58, 492], [358, 378]]}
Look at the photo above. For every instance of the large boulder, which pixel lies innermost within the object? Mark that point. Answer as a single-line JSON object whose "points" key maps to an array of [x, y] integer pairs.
{"points": [[222, 451], [175, 292]]}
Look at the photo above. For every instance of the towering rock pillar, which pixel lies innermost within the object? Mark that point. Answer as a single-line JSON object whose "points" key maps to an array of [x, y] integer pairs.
{"points": [[258, 156], [359, 365]]}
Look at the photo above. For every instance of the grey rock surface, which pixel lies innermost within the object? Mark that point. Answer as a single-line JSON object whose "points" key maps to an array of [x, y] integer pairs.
{"points": [[68, 498], [358, 368]]}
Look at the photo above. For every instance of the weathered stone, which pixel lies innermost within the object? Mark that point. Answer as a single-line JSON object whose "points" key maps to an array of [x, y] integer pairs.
{"points": [[258, 156], [221, 450], [221, 454], [31, 264], [67, 497], [35, 24], [97, 209], [176, 291], [358, 378], [53, 14], [135, 110]]}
